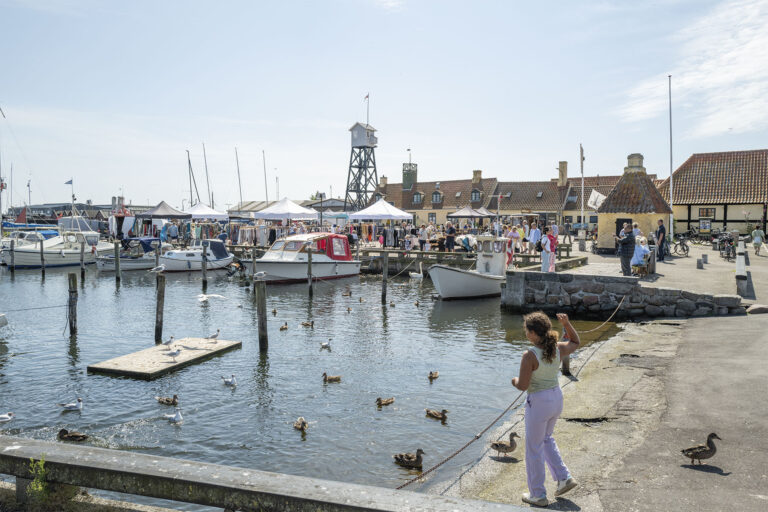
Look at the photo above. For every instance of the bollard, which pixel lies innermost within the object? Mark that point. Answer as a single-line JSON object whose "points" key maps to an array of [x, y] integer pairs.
{"points": [[699, 263], [13, 256], [117, 262], [42, 259], [205, 264], [82, 260], [159, 308], [704, 258], [384, 276], [157, 246], [253, 262], [260, 287], [72, 304], [309, 270]]}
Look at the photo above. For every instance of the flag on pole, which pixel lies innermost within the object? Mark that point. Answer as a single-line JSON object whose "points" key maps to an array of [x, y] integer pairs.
{"points": [[68, 182], [366, 96]]}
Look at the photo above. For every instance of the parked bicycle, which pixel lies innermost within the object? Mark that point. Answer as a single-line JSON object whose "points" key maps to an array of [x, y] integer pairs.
{"points": [[681, 247]]}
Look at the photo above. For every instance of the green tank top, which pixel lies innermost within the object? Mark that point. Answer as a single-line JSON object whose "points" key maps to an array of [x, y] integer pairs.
{"points": [[547, 374]]}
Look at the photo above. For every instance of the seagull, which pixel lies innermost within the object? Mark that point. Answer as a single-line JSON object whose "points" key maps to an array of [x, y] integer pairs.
{"points": [[260, 275], [158, 269], [175, 418], [204, 298], [326, 345], [168, 343], [214, 335], [74, 406], [231, 382], [174, 353], [5, 418]]}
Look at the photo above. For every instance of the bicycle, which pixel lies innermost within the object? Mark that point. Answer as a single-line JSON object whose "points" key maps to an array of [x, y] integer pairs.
{"points": [[681, 247]]}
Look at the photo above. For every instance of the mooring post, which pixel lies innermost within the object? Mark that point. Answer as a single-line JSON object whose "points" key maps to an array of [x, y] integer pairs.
{"points": [[309, 269], [253, 261], [205, 264], [82, 260], [260, 287], [117, 262], [72, 303], [13, 255], [42, 259], [384, 275], [157, 246], [160, 294]]}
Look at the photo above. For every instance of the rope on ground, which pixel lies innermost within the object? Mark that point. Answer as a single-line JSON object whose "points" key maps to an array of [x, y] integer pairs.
{"points": [[32, 309], [405, 268], [609, 318]]}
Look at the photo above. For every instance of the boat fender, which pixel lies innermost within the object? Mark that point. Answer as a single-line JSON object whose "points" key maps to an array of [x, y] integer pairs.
{"points": [[93, 249], [62, 253]]}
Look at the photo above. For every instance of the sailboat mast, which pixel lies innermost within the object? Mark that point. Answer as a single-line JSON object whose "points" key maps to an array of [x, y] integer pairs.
{"points": [[189, 171], [239, 183], [207, 180], [266, 192]]}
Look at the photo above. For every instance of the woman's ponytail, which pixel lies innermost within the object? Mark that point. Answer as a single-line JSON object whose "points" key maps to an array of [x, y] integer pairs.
{"points": [[539, 324]]}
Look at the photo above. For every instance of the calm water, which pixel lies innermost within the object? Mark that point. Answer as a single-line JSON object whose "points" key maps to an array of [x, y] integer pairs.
{"points": [[379, 351]]}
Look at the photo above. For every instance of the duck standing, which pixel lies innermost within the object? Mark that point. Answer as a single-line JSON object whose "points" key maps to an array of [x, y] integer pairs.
{"points": [[702, 451], [505, 447]]}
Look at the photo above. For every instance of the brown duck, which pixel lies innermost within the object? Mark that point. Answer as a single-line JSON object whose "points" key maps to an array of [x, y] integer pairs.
{"points": [[331, 378], [66, 435], [384, 401], [409, 460], [438, 415], [434, 375], [165, 400], [301, 424], [504, 447], [702, 451]]}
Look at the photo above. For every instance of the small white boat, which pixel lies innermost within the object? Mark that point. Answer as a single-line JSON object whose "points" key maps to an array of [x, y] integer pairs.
{"points": [[484, 281], [286, 260], [191, 259], [21, 238], [59, 251], [136, 254]]}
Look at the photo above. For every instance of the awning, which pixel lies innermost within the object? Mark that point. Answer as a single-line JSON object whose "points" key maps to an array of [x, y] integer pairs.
{"points": [[381, 210], [163, 211], [285, 209], [466, 213], [203, 211]]}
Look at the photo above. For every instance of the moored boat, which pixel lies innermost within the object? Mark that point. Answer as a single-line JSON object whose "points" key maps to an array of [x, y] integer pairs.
{"points": [[136, 254], [59, 251], [191, 258], [483, 281]]}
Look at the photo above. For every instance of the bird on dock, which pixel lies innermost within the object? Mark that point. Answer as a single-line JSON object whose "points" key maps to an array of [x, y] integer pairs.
{"points": [[438, 415], [409, 460], [231, 382], [326, 345], [204, 298], [301, 424], [73, 406], [433, 375], [167, 344], [504, 447], [166, 400], [384, 401], [260, 275], [175, 418], [174, 353], [67, 435], [284, 327], [702, 451], [274, 311], [308, 324], [5, 418], [214, 335], [158, 269], [331, 378]]}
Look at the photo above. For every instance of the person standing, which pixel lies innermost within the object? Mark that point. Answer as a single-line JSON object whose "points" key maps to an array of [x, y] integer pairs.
{"points": [[422, 237], [546, 249], [553, 242], [526, 234], [539, 368], [567, 232], [626, 249], [534, 236], [450, 236], [758, 237], [661, 240]]}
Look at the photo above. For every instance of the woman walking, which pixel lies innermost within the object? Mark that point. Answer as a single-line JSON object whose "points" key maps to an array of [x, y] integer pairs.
{"points": [[546, 249], [758, 237], [539, 370]]}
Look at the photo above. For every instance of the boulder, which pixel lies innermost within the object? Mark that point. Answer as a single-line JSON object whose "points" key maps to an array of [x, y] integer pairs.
{"points": [[575, 299], [729, 301], [590, 300], [702, 311], [636, 312], [620, 288], [690, 295], [593, 287], [668, 310], [737, 311], [554, 299], [721, 310], [572, 287], [539, 297], [756, 309], [686, 305], [652, 310]]}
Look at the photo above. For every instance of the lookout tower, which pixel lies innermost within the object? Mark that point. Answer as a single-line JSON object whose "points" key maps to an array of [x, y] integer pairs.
{"points": [[362, 180]]}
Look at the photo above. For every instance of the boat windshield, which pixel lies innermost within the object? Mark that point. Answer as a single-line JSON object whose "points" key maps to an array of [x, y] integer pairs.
{"points": [[92, 239], [278, 245], [293, 246]]}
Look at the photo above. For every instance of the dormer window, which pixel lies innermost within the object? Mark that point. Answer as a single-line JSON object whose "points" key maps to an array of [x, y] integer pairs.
{"points": [[418, 197], [437, 197], [475, 196]]}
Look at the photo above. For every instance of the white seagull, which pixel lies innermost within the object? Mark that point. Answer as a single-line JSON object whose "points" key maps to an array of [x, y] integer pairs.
{"points": [[5, 418], [175, 418], [174, 353], [168, 343], [326, 345], [260, 275], [157, 269], [204, 298], [74, 406], [231, 382], [214, 335]]}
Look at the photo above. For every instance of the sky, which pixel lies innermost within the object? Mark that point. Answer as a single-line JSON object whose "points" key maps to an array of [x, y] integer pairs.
{"points": [[113, 94]]}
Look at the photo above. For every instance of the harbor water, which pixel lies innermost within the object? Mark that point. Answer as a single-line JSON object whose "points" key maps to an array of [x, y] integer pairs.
{"points": [[379, 350]]}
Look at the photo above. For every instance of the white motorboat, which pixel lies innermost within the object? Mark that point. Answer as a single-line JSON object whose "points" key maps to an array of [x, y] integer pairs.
{"points": [[286, 260], [136, 254], [59, 251], [191, 259], [483, 281], [21, 238]]}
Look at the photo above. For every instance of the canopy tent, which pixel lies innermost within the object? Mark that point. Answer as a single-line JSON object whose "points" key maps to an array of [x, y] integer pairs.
{"points": [[202, 211], [466, 213], [485, 212], [285, 209], [163, 211], [381, 210]]}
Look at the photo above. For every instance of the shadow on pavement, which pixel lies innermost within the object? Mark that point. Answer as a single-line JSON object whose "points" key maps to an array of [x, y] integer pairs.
{"points": [[706, 468], [505, 460], [563, 504]]}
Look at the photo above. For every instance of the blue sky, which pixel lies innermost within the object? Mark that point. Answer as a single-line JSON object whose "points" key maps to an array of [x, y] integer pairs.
{"points": [[113, 93]]}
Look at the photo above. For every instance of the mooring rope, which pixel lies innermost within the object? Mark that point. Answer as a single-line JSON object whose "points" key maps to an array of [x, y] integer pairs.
{"points": [[31, 309]]}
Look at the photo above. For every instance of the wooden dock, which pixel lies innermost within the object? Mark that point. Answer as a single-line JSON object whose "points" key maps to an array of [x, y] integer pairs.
{"points": [[154, 362]]}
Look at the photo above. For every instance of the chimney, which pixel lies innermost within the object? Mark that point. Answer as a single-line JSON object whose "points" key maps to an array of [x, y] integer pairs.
{"points": [[383, 183], [477, 177], [634, 163], [410, 175], [562, 176]]}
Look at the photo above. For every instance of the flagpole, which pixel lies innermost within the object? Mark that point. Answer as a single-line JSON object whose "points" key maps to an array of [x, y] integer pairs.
{"points": [[367, 108], [581, 155], [671, 200]]}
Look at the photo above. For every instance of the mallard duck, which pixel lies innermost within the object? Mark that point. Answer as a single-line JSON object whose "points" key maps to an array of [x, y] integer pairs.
{"points": [[331, 378], [349, 310], [409, 460], [503, 447], [284, 327], [438, 415], [384, 401], [274, 311], [167, 400], [391, 304], [433, 375], [66, 435], [702, 451], [308, 324], [301, 424], [361, 299], [416, 303], [346, 294]]}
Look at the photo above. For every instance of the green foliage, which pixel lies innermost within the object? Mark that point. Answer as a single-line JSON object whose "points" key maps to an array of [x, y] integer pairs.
{"points": [[38, 489], [45, 497]]}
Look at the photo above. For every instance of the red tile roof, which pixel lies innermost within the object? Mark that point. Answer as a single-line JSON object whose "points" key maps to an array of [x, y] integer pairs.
{"points": [[732, 177], [634, 193], [403, 199], [536, 196]]}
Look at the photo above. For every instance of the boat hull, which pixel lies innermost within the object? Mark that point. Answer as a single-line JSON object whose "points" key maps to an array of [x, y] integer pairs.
{"points": [[107, 263], [53, 258], [453, 283], [296, 271], [193, 264]]}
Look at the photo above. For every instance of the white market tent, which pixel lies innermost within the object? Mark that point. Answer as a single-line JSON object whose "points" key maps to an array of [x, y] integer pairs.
{"points": [[466, 213], [202, 211], [381, 210], [285, 209]]}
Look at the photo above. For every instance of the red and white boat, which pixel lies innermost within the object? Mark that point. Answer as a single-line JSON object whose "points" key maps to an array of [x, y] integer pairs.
{"points": [[286, 260]]}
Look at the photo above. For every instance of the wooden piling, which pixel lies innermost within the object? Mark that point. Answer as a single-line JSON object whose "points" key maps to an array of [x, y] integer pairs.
{"points": [[253, 262], [13, 256], [42, 259], [72, 304], [309, 271], [260, 289], [82, 260], [117, 262], [157, 246], [384, 276], [160, 294], [205, 264]]}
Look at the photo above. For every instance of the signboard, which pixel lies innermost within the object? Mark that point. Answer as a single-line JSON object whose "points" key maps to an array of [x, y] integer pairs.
{"points": [[705, 226], [595, 200]]}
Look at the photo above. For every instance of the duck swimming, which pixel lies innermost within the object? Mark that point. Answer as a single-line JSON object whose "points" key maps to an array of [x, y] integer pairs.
{"points": [[409, 460], [384, 401], [331, 378], [66, 435], [165, 400]]}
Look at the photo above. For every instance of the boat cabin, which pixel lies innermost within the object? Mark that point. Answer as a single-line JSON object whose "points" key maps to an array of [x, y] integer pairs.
{"points": [[74, 238], [491, 254], [334, 247]]}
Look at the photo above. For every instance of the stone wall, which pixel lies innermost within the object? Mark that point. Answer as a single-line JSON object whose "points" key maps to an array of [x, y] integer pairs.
{"points": [[597, 296]]}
